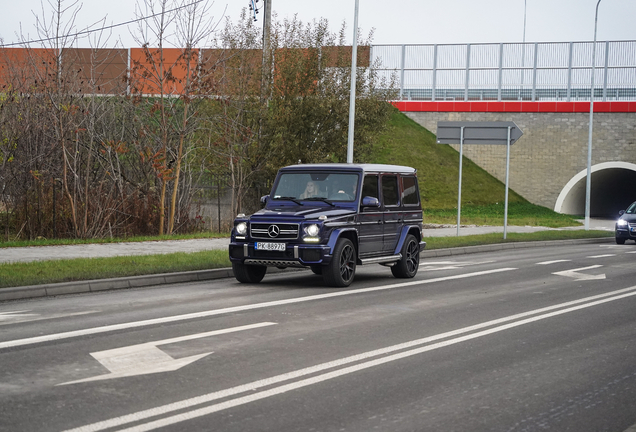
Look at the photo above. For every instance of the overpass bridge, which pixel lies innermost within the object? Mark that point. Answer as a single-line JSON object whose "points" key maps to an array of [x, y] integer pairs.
{"points": [[545, 89]]}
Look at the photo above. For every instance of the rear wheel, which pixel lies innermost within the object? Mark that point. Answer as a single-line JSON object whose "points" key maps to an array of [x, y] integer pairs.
{"points": [[248, 273], [407, 266], [342, 268]]}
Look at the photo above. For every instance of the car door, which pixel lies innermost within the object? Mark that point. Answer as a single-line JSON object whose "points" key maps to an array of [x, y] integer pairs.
{"points": [[393, 213], [370, 220]]}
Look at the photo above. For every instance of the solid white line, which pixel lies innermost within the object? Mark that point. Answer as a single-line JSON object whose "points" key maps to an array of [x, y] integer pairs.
{"points": [[251, 387], [211, 333], [553, 262], [136, 324]]}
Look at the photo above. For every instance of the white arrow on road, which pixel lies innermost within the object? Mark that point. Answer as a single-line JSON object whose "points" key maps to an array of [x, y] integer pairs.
{"points": [[146, 358], [574, 273]]}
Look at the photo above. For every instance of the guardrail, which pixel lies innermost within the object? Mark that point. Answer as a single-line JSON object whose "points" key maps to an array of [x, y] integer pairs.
{"points": [[550, 71]]}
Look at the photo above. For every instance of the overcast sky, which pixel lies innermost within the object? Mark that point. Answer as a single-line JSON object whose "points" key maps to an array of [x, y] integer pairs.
{"points": [[394, 21]]}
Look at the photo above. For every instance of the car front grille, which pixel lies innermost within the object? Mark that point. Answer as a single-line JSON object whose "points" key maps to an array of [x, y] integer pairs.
{"points": [[274, 231]]}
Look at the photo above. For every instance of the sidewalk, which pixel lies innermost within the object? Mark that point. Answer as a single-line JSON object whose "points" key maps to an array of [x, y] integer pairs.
{"points": [[43, 253]]}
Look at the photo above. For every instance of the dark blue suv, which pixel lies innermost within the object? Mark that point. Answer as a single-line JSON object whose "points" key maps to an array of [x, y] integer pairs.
{"points": [[332, 218]]}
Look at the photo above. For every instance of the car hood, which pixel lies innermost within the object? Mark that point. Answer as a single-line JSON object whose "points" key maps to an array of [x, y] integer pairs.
{"points": [[629, 217], [282, 213]]}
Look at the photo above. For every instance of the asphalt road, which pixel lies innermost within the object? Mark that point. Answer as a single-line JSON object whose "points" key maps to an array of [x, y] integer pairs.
{"points": [[516, 340]]}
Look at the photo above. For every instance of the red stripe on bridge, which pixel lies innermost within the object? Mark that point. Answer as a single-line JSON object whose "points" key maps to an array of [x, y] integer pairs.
{"points": [[514, 106]]}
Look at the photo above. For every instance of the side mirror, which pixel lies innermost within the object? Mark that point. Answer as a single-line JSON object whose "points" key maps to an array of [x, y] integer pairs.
{"points": [[368, 201], [264, 199], [621, 213]]}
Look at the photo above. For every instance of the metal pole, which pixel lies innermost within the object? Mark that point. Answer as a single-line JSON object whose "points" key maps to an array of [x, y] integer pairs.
{"points": [[459, 187], [267, 66], [523, 50], [402, 73], [507, 184], [352, 93], [588, 183], [467, 83]]}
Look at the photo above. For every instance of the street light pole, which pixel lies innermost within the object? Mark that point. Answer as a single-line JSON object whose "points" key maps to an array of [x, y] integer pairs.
{"points": [[352, 93], [267, 66], [588, 183]]}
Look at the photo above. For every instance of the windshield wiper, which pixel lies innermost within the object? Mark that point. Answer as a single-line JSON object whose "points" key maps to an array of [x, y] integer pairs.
{"points": [[294, 199], [323, 199]]}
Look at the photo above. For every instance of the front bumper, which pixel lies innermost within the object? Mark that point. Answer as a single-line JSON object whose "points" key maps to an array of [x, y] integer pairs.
{"points": [[295, 255], [628, 233]]}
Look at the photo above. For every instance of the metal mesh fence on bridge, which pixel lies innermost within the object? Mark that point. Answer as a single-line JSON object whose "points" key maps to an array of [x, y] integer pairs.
{"points": [[551, 71]]}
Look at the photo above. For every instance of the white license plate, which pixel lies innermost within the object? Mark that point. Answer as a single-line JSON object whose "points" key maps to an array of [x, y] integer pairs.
{"points": [[270, 246]]}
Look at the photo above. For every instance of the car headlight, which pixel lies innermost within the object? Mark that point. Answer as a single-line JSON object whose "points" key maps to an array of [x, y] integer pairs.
{"points": [[241, 228], [312, 230], [621, 223]]}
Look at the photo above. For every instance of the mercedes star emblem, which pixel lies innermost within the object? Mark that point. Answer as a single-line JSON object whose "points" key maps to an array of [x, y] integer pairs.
{"points": [[273, 231]]}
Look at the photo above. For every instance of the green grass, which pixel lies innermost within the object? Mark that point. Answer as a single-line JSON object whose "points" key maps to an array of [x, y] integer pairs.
{"points": [[405, 142], [43, 272], [496, 238], [519, 213]]}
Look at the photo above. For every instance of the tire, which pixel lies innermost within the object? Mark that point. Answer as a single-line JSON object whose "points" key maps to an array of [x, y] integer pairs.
{"points": [[620, 240], [248, 273], [407, 266], [316, 269], [342, 268]]}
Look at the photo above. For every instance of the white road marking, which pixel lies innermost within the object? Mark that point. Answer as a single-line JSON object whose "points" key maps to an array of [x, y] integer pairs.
{"points": [[540, 314], [13, 315], [449, 265], [146, 358], [20, 317], [553, 262], [195, 315], [574, 273], [634, 252], [602, 256]]}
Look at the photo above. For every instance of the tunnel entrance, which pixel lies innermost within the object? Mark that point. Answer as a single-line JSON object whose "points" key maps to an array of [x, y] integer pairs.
{"points": [[613, 189]]}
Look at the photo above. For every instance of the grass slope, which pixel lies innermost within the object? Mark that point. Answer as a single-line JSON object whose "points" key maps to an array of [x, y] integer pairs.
{"points": [[405, 142]]}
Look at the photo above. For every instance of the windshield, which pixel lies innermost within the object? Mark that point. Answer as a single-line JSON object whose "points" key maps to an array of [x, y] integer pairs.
{"points": [[316, 185], [631, 209]]}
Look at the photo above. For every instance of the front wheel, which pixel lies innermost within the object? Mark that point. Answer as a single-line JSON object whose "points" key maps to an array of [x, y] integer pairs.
{"points": [[342, 268], [620, 240], [407, 266], [248, 273]]}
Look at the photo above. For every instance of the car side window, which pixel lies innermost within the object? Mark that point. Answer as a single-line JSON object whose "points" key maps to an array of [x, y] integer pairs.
{"points": [[390, 190], [370, 186], [410, 194]]}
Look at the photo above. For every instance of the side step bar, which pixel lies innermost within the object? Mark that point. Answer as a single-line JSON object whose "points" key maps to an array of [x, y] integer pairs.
{"points": [[381, 260]]}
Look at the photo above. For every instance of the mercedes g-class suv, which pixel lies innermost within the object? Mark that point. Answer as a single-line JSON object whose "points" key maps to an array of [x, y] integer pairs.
{"points": [[332, 218]]}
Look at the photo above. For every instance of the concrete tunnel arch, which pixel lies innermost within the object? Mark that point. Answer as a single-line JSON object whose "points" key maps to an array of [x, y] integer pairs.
{"points": [[613, 189]]}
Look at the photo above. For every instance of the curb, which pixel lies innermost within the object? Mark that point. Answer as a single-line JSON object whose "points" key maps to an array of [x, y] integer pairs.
{"points": [[50, 290]]}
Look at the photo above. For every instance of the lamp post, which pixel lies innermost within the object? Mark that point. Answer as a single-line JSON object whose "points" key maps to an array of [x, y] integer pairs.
{"points": [[352, 93], [588, 182]]}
